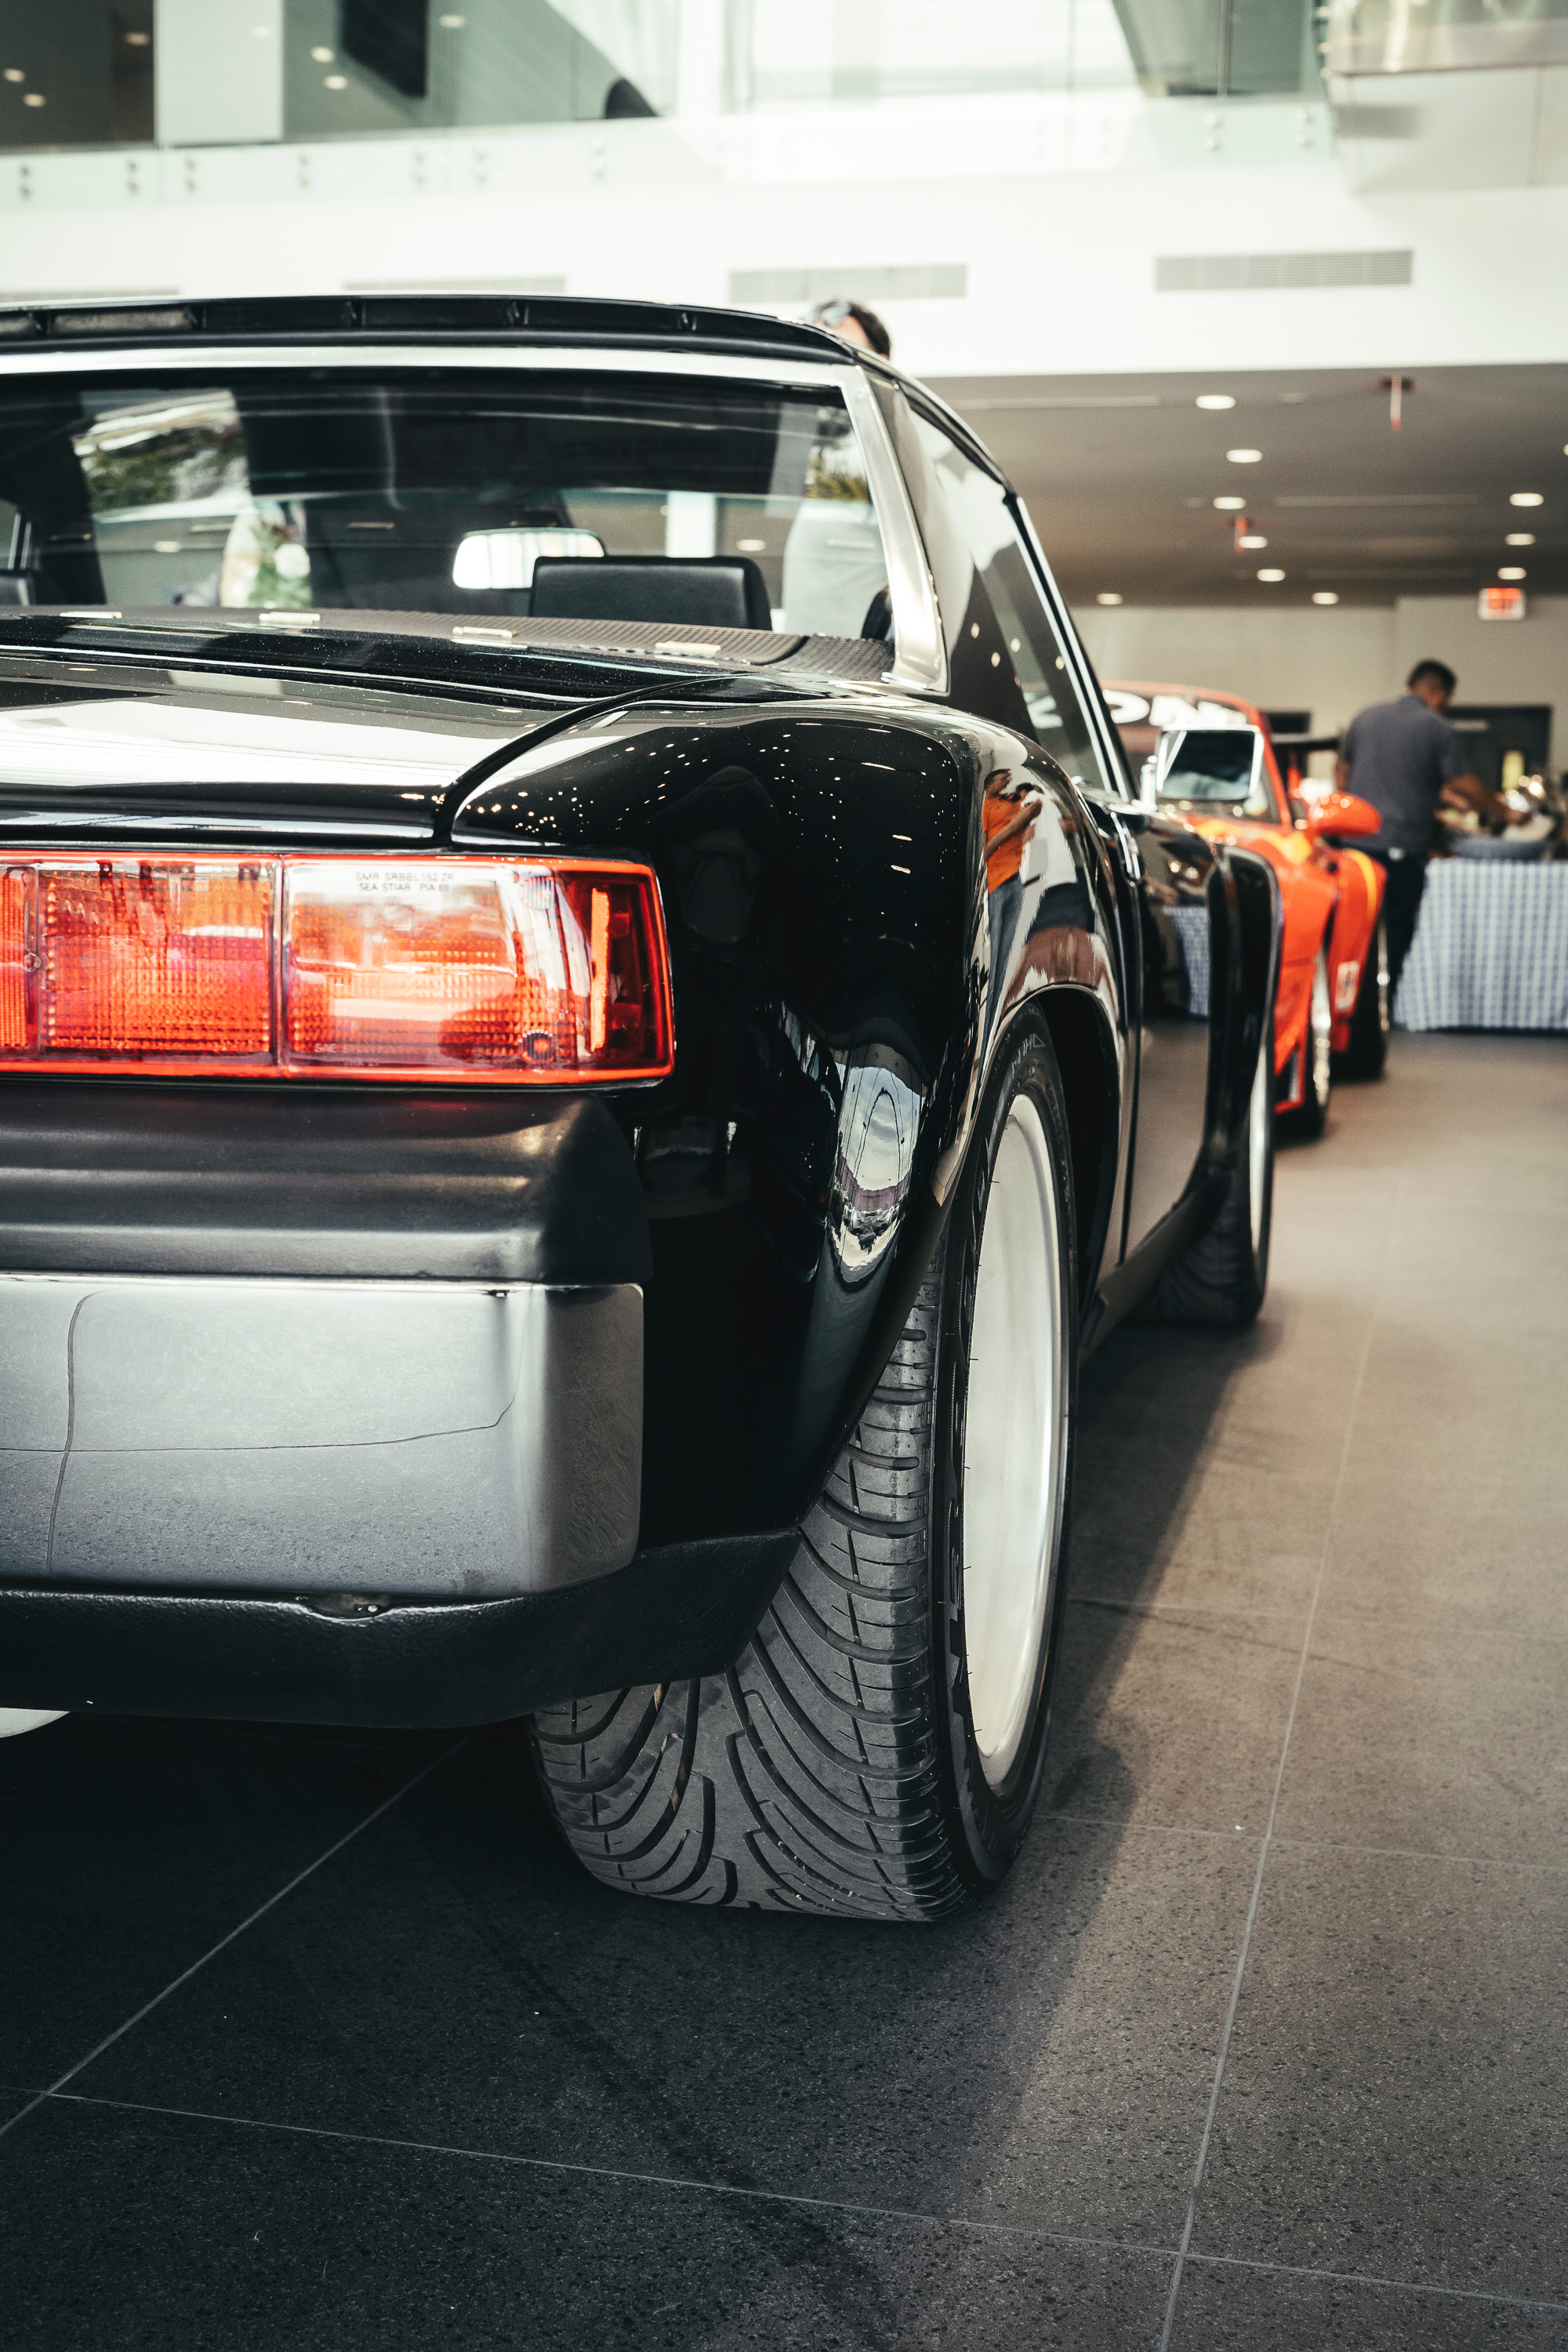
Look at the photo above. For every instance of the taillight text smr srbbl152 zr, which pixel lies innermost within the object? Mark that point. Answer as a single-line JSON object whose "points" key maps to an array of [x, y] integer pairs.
{"points": [[545, 971]]}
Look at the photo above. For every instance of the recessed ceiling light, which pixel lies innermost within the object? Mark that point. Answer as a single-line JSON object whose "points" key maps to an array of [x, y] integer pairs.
{"points": [[165, 547], [323, 56], [750, 546], [1108, 596], [1325, 596], [1510, 572], [1520, 538], [1215, 400], [34, 98], [1231, 506], [334, 81], [451, 24], [1526, 499], [1252, 538], [1270, 576], [138, 40], [15, 73], [1245, 457]]}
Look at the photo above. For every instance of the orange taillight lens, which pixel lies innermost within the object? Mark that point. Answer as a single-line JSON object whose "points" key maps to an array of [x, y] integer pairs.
{"points": [[540, 970]]}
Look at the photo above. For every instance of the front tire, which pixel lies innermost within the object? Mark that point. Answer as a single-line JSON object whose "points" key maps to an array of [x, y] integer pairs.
{"points": [[1367, 1051], [1223, 1276], [876, 1751]]}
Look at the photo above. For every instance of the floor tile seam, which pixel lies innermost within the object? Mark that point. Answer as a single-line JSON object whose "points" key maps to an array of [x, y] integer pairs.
{"points": [[860, 2207], [623, 2174], [1179, 1609], [1161, 1829], [1416, 1853], [128, 2024], [1229, 2028], [1471, 1636], [1373, 2280], [1130, 1821]]}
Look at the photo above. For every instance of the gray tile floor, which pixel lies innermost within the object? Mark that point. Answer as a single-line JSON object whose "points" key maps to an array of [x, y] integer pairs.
{"points": [[1263, 2046]]}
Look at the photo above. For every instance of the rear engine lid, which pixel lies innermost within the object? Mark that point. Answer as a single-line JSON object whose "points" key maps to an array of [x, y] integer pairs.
{"points": [[98, 744]]}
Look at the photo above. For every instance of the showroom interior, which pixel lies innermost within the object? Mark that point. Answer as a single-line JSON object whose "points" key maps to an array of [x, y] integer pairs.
{"points": [[316, 2032]]}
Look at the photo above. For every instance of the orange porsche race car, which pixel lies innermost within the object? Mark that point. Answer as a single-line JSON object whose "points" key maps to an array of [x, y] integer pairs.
{"points": [[1212, 756]]}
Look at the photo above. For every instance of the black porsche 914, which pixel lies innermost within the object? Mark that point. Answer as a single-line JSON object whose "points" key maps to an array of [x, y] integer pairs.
{"points": [[590, 1028]]}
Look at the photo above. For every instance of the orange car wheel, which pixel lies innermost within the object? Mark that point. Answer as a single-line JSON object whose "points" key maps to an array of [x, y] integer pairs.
{"points": [[1307, 1121], [1367, 1051]]}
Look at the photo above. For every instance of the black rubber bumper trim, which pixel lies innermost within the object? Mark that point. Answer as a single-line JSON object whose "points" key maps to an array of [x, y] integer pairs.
{"points": [[680, 1610], [101, 1177]]}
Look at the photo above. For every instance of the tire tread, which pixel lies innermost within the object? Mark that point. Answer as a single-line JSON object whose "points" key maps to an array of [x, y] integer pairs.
{"points": [[804, 1779]]}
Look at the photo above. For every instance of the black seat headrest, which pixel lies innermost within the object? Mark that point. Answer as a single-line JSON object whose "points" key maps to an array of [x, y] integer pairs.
{"points": [[723, 592]]}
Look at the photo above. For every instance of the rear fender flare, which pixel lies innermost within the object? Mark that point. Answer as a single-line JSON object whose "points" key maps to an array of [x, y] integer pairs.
{"points": [[1260, 922]]}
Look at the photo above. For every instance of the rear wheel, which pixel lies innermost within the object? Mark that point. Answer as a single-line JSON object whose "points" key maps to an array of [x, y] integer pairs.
{"points": [[1306, 1123], [1223, 1276], [1371, 1021], [876, 1751]]}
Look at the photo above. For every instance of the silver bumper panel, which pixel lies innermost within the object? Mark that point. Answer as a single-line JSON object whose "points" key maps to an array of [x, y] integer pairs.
{"points": [[424, 1440]]}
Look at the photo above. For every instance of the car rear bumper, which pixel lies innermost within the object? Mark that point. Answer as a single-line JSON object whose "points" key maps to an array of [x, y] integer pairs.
{"points": [[437, 1441], [681, 1610], [333, 1412]]}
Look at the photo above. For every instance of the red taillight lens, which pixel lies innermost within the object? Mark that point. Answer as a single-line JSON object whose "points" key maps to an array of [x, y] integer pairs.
{"points": [[137, 959], [545, 970]]}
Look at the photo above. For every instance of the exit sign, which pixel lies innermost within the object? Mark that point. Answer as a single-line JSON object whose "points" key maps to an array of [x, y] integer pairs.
{"points": [[1501, 604]]}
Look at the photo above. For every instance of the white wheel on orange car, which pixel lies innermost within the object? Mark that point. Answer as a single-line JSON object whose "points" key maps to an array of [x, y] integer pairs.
{"points": [[1307, 1120]]}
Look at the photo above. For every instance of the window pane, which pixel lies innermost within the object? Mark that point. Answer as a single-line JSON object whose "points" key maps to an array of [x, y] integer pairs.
{"points": [[978, 505], [413, 493]]}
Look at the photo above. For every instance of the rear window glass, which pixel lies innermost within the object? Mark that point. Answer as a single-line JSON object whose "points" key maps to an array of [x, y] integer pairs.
{"points": [[1216, 767], [419, 492]]}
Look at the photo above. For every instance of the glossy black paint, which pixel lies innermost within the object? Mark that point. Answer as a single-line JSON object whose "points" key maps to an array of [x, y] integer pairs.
{"points": [[824, 880], [845, 968], [822, 863]]}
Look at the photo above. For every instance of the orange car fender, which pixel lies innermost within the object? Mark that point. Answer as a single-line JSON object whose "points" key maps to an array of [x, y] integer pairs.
{"points": [[1308, 897], [1362, 881]]}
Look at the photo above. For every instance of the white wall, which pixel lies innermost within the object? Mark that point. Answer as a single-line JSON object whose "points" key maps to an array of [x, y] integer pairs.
{"points": [[1333, 662]]}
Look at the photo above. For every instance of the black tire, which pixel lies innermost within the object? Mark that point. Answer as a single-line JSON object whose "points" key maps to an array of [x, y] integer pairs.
{"points": [[1372, 1019], [1223, 1276], [1305, 1124], [834, 1767]]}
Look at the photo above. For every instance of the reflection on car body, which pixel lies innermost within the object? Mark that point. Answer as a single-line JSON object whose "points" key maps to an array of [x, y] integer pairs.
{"points": [[1211, 757], [704, 974]]}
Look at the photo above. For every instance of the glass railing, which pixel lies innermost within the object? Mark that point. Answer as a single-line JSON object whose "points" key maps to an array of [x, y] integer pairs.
{"points": [[1387, 37], [1222, 49], [90, 74], [792, 52]]}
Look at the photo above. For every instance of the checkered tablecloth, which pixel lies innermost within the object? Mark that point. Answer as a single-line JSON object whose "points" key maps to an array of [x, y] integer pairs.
{"points": [[1490, 950]]}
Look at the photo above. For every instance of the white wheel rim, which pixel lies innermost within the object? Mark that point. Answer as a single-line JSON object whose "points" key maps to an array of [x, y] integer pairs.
{"points": [[1321, 1030], [1013, 1442], [1258, 1117]]}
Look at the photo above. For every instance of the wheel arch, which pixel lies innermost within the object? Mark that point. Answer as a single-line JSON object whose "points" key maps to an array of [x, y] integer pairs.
{"points": [[1262, 921], [1086, 1058]]}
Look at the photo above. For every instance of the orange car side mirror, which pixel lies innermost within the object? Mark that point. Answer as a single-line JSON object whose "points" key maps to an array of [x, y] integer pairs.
{"points": [[1341, 814]]}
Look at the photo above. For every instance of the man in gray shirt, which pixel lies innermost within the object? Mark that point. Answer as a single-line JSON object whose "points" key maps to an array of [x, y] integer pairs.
{"points": [[1403, 758]]}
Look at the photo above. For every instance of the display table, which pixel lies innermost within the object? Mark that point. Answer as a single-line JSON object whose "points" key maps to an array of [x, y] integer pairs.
{"points": [[1490, 950]]}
